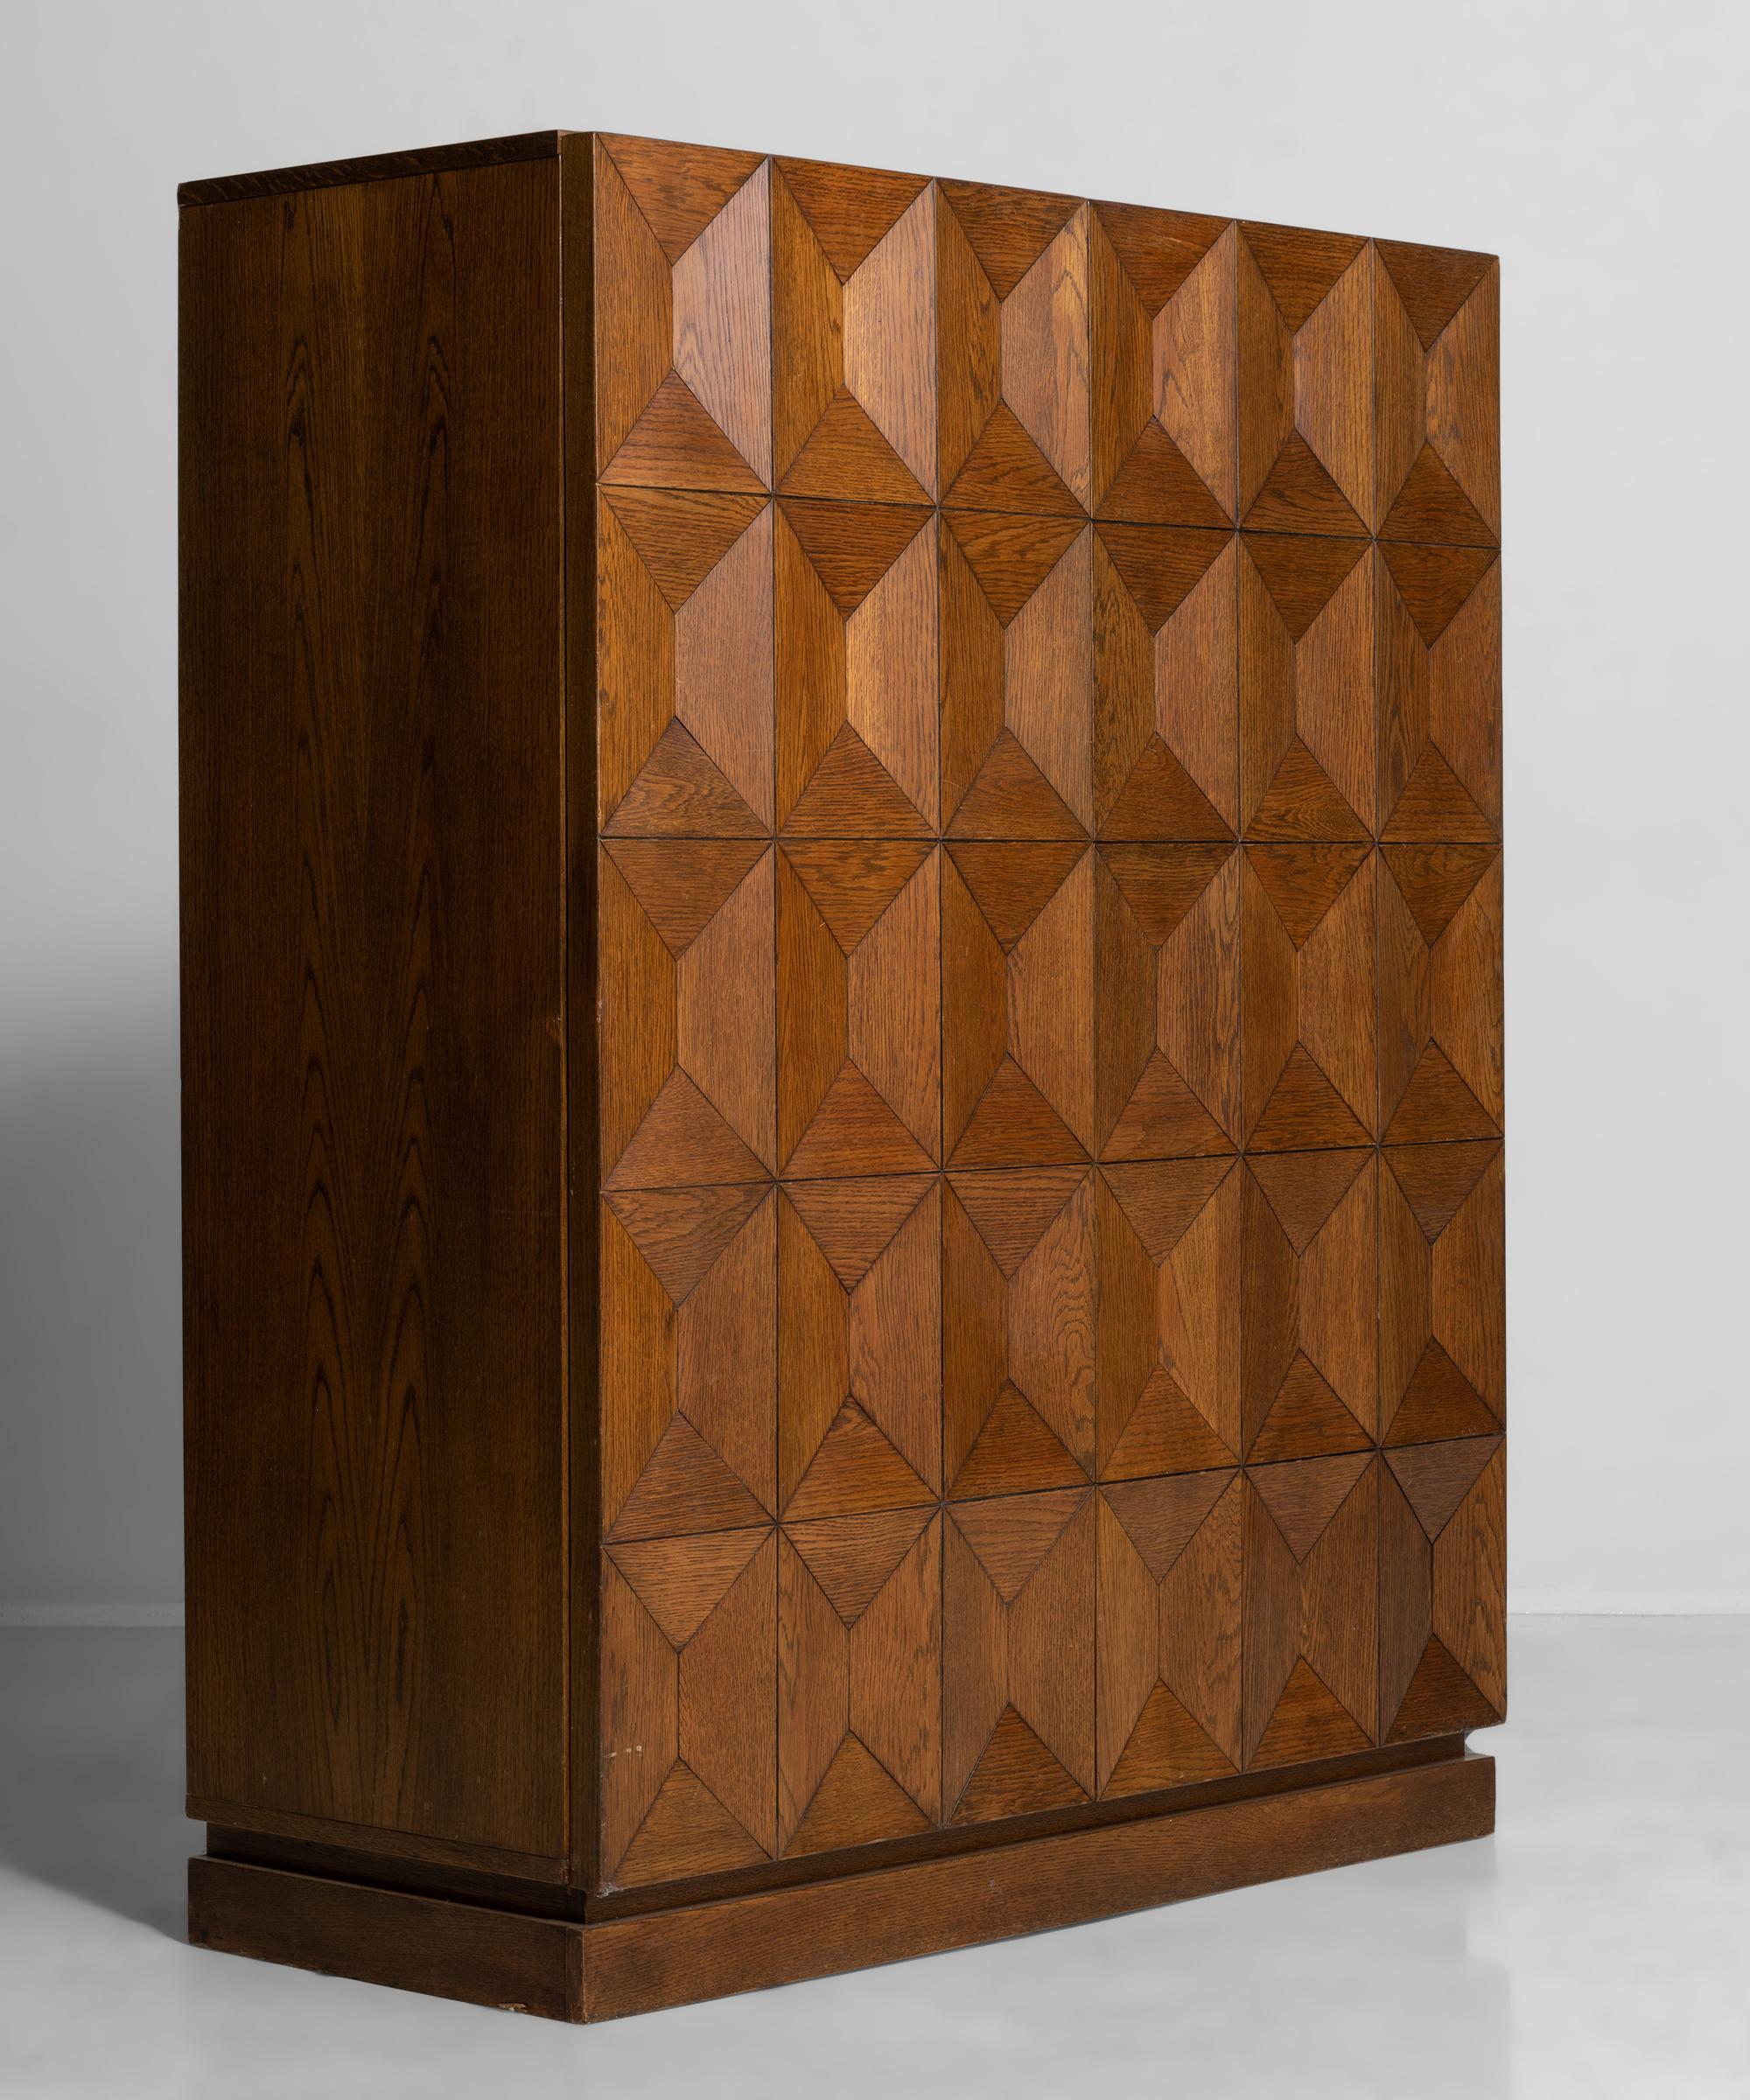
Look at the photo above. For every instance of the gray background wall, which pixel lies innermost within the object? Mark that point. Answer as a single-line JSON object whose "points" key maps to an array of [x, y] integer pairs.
{"points": [[1594, 146]]}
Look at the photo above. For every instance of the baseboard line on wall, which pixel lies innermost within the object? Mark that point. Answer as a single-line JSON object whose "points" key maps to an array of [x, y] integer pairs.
{"points": [[1574, 1603], [90, 1614], [1522, 1604]]}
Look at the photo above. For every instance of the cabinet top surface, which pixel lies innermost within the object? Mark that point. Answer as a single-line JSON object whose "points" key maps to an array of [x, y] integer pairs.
{"points": [[433, 160]]}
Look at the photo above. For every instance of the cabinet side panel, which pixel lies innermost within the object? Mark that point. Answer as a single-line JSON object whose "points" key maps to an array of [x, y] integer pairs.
{"points": [[583, 1119], [372, 848]]}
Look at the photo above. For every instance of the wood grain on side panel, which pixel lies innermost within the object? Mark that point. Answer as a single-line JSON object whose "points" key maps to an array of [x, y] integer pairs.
{"points": [[371, 842]]}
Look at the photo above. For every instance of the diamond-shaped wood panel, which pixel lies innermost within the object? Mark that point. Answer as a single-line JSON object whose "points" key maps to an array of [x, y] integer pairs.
{"points": [[1308, 1048], [1018, 1029], [1442, 1566], [688, 1707], [1305, 381], [1310, 1642], [1439, 993], [1012, 403], [1166, 683], [1440, 693], [859, 1679], [857, 703], [1307, 687], [853, 316], [684, 664], [1437, 326], [1442, 1330], [683, 336], [1309, 1355], [1162, 288], [1048, 945], [688, 1359], [1017, 1655], [860, 1344], [1019, 1340], [688, 1043], [859, 1089], [1166, 963], [1017, 676], [1171, 1264], [1170, 1560]]}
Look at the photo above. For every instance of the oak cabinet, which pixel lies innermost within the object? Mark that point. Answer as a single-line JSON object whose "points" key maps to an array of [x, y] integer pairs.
{"points": [[843, 1063]]}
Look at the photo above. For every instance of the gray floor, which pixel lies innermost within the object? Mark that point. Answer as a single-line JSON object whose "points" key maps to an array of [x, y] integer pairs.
{"points": [[1599, 1945]]}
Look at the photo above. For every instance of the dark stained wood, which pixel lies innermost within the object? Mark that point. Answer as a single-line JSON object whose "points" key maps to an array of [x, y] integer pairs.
{"points": [[607, 1969], [638, 1964], [371, 836], [373, 167], [582, 1389], [843, 973], [352, 1861], [485, 1957], [326, 1831]]}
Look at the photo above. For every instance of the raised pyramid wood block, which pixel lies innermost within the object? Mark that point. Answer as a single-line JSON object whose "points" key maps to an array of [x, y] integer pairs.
{"points": [[842, 1067]]}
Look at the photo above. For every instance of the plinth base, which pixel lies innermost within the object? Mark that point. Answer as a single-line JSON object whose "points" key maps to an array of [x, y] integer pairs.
{"points": [[599, 1968]]}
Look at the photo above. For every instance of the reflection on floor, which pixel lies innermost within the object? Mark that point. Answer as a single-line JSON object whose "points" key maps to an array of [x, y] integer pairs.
{"points": [[1599, 1946]]}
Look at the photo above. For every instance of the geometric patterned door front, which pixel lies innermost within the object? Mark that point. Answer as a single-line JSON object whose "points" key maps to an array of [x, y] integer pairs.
{"points": [[1048, 935]]}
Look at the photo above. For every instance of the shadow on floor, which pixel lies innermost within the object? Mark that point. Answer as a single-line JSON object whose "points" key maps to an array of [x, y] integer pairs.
{"points": [[91, 1769]]}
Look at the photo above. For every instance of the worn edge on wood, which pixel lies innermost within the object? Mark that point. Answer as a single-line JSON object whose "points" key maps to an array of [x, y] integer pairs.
{"points": [[371, 167], [601, 1971]]}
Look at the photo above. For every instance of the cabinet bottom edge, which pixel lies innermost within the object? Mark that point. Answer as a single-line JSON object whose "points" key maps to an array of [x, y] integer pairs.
{"points": [[605, 1969]]}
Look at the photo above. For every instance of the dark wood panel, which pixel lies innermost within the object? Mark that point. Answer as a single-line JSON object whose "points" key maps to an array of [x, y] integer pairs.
{"points": [[484, 1957], [583, 972], [371, 167], [372, 1005]]}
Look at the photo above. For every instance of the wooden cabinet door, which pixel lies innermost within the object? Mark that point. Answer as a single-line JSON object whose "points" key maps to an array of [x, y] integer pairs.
{"points": [[1049, 923]]}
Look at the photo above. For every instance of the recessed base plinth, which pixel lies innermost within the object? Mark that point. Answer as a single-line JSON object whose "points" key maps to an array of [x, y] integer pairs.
{"points": [[599, 1970]]}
